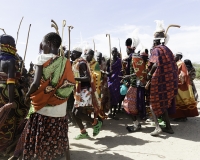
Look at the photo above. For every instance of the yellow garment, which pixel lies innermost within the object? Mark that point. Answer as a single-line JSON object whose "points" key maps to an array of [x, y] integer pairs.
{"points": [[96, 75], [186, 105]]}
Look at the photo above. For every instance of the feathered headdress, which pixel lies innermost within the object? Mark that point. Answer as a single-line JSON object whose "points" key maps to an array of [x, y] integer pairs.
{"points": [[160, 32], [159, 26], [78, 49], [134, 41], [144, 50]]}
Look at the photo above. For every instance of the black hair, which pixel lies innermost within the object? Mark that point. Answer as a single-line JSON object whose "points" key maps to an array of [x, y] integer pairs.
{"points": [[91, 52], [114, 49], [128, 42], [188, 63], [53, 38]]}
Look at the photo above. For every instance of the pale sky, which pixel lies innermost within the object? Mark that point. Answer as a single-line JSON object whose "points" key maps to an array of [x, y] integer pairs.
{"points": [[92, 19]]}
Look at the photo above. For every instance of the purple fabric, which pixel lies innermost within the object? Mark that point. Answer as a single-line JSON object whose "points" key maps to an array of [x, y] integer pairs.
{"points": [[5, 57], [114, 82], [172, 109], [141, 106]]}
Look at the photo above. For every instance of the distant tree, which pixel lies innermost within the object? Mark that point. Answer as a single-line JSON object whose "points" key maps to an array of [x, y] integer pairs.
{"points": [[197, 68]]}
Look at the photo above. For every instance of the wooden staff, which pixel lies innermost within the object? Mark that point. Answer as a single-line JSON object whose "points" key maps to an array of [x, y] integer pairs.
{"points": [[110, 49], [119, 46], [25, 49], [61, 48], [94, 45], [171, 25], [69, 30], [18, 29], [121, 56], [3, 30], [54, 25]]}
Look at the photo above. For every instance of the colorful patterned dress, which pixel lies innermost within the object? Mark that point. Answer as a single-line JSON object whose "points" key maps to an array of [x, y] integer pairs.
{"points": [[134, 102], [84, 96], [164, 82], [186, 105], [10, 121]]}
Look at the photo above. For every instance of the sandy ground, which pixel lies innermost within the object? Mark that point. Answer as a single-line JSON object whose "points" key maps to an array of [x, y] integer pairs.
{"points": [[115, 143]]}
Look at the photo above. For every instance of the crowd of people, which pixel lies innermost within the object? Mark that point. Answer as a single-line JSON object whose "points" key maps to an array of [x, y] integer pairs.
{"points": [[37, 106]]}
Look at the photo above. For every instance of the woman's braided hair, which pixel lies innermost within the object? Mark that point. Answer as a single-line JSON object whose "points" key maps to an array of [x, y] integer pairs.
{"points": [[53, 38]]}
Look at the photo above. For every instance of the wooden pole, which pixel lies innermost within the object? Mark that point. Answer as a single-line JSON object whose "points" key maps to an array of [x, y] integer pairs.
{"points": [[54, 25], [121, 55], [63, 26], [69, 30], [25, 49], [171, 25], [19, 29], [108, 35], [3, 30], [94, 45]]}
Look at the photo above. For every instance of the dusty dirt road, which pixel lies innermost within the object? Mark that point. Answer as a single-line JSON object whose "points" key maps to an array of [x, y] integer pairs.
{"points": [[115, 143]]}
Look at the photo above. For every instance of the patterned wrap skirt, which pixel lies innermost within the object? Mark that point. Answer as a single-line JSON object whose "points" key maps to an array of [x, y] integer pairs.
{"points": [[44, 138], [10, 129], [130, 101]]}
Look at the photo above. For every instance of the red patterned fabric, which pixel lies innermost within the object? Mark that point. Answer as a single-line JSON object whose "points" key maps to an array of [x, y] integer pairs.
{"points": [[130, 101], [46, 137], [164, 82], [139, 68]]}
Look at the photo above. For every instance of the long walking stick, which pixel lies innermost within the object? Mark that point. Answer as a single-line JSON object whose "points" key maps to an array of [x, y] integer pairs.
{"points": [[69, 31], [3, 30], [110, 49], [54, 25], [19, 29], [121, 56], [61, 49], [171, 25], [25, 49], [94, 45]]}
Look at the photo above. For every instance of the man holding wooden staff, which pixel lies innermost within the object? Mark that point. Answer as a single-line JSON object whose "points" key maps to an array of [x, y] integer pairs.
{"points": [[164, 80]]}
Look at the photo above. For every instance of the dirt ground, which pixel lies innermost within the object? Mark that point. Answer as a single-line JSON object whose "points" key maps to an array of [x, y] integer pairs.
{"points": [[115, 143]]}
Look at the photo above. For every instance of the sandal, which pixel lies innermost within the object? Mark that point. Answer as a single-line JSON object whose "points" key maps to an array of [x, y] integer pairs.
{"points": [[133, 129], [170, 131], [82, 136], [96, 128], [156, 132]]}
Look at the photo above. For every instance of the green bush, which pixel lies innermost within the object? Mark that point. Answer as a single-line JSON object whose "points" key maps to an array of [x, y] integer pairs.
{"points": [[197, 68], [198, 73]]}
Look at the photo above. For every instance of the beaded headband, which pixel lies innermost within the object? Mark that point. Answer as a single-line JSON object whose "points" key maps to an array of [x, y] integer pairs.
{"points": [[8, 48]]}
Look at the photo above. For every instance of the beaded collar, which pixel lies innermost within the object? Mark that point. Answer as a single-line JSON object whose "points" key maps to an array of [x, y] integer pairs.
{"points": [[8, 48]]}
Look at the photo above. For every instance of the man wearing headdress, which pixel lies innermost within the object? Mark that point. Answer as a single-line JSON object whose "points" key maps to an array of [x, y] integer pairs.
{"points": [[134, 102], [164, 80], [114, 71], [85, 94], [12, 107], [186, 105]]}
